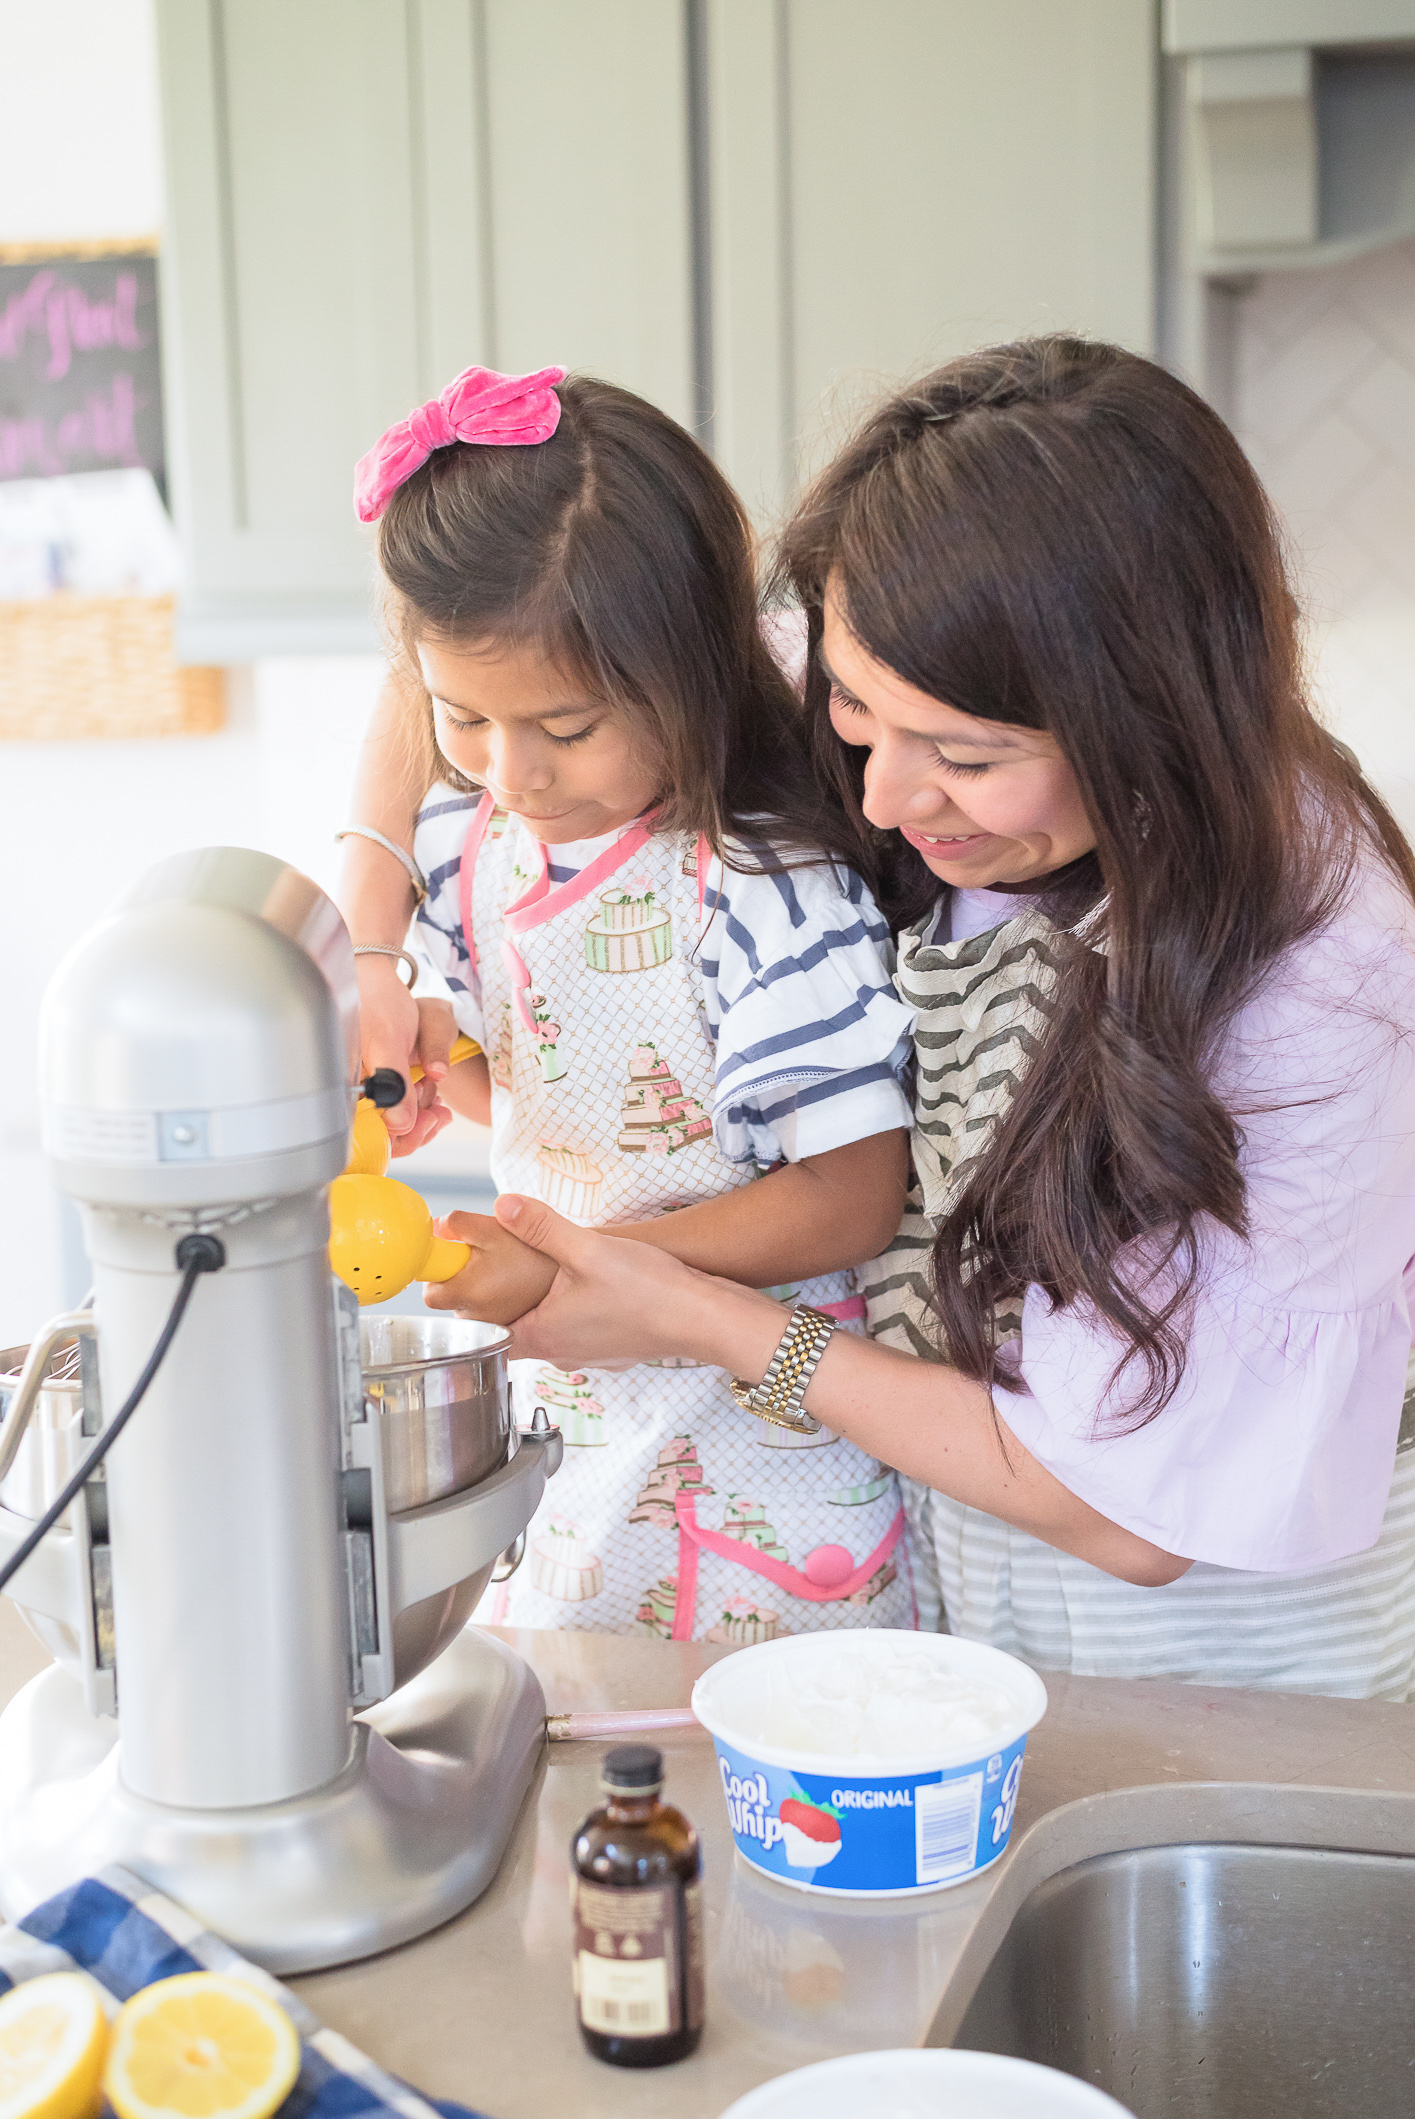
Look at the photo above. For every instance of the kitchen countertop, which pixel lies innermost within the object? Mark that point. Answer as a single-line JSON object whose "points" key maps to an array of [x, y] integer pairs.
{"points": [[481, 2009]]}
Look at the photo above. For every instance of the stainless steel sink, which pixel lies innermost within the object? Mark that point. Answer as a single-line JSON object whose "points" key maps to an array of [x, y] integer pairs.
{"points": [[1203, 1981]]}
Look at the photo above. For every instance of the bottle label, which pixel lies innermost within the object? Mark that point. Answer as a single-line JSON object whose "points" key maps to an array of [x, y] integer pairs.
{"points": [[627, 1975]]}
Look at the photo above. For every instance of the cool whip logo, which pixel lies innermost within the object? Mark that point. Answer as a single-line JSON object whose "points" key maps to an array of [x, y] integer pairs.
{"points": [[749, 1807], [1007, 1803], [808, 1832]]}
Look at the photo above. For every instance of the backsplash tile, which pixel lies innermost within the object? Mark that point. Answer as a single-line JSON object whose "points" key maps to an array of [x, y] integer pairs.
{"points": [[1325, 385]]}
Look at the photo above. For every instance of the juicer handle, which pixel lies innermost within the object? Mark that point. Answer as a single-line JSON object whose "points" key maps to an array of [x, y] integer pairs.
{"points": [[33, 1376]]}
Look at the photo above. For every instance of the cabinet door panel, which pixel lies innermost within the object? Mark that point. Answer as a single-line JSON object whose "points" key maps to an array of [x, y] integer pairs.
{"points": [[961, 174], [589, 191], [326, 298], [940, 174], [316, 285]]}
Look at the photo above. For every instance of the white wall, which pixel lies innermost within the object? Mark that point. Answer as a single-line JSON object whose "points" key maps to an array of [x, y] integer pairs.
{"points": [[80, 821], [79, 132], [1326, 410], [79, 158]]}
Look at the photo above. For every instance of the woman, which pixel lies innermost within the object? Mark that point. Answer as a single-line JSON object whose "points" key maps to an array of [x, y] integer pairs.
{"points": [[1142, 1340]]}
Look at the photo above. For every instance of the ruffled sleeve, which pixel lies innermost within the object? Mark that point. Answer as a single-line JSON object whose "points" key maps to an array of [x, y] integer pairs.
{"points": [[812, 1042], [1276, 1453]]}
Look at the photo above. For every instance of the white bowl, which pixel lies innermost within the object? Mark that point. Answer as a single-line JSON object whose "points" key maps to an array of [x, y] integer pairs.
{"points": [[865, 1825], [912, 2084]]}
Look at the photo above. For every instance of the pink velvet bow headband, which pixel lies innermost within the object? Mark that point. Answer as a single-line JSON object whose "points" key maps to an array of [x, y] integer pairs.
{"points": [[500, 411]]}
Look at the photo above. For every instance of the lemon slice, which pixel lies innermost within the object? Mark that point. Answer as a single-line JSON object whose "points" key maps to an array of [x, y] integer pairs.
{"points": [[53, 2036], [200, 2046]]}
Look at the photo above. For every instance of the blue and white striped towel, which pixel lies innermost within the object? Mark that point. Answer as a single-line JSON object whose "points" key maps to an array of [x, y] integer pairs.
{"points": [[127, 1936]]}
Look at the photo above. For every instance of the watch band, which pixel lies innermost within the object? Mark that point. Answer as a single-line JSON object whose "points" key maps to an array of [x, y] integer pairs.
{"points": [[777, 1398]]}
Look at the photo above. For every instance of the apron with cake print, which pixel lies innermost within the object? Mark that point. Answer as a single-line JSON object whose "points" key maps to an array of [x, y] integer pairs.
{"points": [[674, 1512], [983, 1005]]}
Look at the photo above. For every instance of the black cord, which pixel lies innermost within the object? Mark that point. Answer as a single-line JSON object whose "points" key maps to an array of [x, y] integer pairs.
{"points": [[195, 1255]]}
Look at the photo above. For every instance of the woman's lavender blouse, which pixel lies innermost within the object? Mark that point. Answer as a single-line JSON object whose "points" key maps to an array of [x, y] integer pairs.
{"points": [[1276, 1453]]}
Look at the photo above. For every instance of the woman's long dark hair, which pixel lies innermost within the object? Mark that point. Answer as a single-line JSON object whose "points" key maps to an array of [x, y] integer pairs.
{"points": [[620, 551], [1059, 535]]}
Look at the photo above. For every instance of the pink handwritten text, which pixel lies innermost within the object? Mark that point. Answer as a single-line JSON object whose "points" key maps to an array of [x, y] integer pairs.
{"points": [[69, 321], [102, 427]]}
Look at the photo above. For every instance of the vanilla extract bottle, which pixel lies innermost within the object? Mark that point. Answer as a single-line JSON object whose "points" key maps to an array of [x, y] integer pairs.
{"points": [[637, 1916]]}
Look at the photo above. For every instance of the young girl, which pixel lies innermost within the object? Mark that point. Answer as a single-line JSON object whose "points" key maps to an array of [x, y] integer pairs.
{"points": [[676, 993]]}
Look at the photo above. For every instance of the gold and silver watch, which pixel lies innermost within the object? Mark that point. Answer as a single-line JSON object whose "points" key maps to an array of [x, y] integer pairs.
{"points": [[777, 1398]]}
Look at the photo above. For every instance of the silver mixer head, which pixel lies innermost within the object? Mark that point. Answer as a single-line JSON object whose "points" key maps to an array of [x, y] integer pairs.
{"points": [[200, 1044]]}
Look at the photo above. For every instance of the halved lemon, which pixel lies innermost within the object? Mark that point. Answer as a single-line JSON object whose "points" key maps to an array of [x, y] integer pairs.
{"points": [[53, 2036], [200, 2046]]}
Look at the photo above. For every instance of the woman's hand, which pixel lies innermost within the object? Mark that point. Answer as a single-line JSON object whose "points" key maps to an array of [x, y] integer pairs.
{"points": [[614, 1300]]}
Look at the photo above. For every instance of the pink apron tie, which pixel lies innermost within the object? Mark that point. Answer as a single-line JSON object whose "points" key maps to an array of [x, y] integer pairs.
{"points": [[691, 1536]]}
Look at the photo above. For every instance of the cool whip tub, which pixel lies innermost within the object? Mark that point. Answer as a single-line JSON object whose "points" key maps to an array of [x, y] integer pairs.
{"points": [[870, 1764]]}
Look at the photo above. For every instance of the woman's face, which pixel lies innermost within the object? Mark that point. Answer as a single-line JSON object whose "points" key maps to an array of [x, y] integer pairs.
{"points": [[568, 764], [986, 804]]}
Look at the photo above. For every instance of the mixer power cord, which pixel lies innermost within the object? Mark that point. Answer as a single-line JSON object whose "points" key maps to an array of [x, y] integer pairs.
{"points": [[195, 1255]]}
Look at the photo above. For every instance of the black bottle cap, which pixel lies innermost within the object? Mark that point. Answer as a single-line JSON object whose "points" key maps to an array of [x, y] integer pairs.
{"points": [[635, 1768]]}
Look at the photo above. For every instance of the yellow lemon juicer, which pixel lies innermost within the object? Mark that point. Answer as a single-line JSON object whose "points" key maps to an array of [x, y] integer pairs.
{"points": [[380, 1232]]}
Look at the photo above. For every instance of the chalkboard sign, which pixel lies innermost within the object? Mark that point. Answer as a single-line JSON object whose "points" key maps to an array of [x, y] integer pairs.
{"points": [[80, 373]]}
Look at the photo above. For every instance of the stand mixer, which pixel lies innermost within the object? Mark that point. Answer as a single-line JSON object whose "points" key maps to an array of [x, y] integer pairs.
{"points": [[264, 1702]]}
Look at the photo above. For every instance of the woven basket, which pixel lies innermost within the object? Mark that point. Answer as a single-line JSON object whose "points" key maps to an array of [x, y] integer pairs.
{"points": [[74, 666]]}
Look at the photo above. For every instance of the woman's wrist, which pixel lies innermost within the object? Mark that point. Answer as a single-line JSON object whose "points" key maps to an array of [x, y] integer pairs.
{"points": [[376, 895], [735, 1328], [377, 972]]}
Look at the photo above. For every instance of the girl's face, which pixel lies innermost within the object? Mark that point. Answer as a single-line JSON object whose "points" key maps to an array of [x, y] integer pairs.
{"points": [[986, 804], [568, 764]]}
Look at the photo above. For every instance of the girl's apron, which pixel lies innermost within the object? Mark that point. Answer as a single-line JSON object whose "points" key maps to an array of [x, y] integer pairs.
{"points": [[675, 1512], [1348, 1628]]}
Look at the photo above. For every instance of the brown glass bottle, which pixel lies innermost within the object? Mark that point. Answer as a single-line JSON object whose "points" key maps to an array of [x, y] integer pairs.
{"points": [[637, 1918]]}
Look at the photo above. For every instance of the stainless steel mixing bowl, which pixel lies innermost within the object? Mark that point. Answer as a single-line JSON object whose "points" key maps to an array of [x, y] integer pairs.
{"points": [[441, 1386]]}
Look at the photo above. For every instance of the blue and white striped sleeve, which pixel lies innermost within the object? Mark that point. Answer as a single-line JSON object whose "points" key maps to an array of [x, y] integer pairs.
{"points": [[436, 933], [813, 1042]]}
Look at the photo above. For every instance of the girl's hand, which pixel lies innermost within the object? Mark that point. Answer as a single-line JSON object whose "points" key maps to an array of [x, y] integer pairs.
{"points": [[501, 1281], [436, 1029], [613, 1300], [389, 1025]]}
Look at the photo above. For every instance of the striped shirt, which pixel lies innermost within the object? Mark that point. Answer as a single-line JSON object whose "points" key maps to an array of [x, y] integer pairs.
{"points": [[812, 1043]]}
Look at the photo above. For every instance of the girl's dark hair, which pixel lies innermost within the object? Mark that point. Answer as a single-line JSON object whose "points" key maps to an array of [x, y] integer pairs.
{"points": [[1059, 535], [621, 552]]}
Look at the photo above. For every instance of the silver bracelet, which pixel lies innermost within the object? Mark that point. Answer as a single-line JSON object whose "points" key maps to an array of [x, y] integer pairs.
{"points": [[399, 853], [386, 949], [777, 1398]]}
